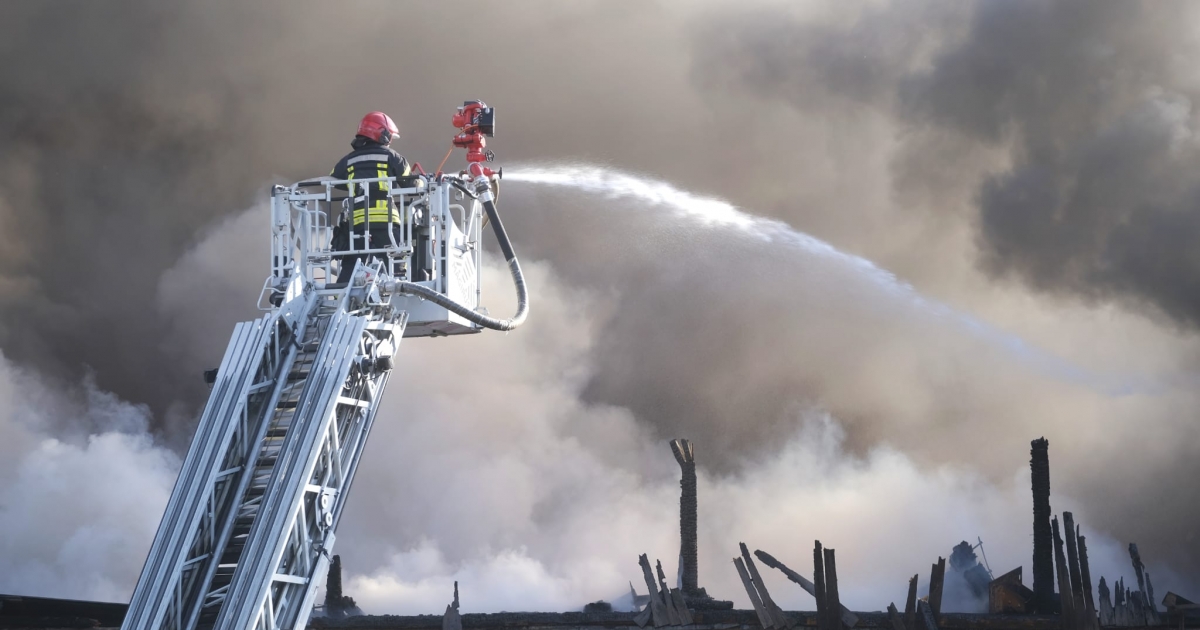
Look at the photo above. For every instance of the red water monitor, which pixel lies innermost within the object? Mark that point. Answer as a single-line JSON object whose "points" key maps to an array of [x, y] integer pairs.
{"points": [[476, 122]]}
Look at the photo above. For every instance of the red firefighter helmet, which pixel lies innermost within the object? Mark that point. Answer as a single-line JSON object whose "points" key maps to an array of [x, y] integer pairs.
{"points": [[379, 127]]}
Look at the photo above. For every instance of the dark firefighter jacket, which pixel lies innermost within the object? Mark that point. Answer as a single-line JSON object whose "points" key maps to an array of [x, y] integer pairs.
{"points": [[369, 159]]}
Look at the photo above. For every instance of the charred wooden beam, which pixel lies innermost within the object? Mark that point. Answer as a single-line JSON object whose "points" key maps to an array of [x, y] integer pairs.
{"points": [[819, 585], [1065, 600], [775, 612], [1150, 595], [682, 449], [833, 602], [685, 615], [925, 617], [1089, 603], [848, 618], [1043, 559], [764, 618], [673, 615], [644, 617], [1077, 604], [658, 613], [1007, 595], [1106, 606], [894, 617], [1145, 607], [937, 581], [1120, 607], [910, 606], [452, 620], [1138, 568]]}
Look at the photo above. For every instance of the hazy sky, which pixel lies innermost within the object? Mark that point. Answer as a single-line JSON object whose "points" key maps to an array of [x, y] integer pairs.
{"points": [[1018, 174]]}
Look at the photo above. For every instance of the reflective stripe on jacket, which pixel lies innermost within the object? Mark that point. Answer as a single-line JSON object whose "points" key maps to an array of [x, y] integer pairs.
{"points": [[371, 160]]}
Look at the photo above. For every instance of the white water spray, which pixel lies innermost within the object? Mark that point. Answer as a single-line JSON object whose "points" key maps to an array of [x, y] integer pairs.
{"points": [[716, 213]]}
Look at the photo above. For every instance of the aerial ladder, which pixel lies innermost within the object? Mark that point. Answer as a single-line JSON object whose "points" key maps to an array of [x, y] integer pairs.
{"points": [[250, 525]]}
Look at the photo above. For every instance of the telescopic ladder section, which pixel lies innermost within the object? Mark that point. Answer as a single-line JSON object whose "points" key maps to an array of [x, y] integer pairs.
{"points": [[242, 543], [247, 532]]}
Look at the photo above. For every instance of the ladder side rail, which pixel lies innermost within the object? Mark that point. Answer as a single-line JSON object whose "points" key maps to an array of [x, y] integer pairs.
{"points": [[358, 443], [342, 448], [253, 450], [223, 500], [303, 527], [237, 465], [149, 582], [218, 500], [353, 450], [184, 509], [279, 607], [306, 604], [155, 591], [249, 586]]}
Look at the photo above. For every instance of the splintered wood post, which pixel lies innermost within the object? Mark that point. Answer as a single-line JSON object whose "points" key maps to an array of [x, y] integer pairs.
{"points": [[763, 618], [668, 601], [1150, 596], [1066, 601], [910, 606], [1106, 607], [451, 620], [925, 616], [657, 612], [1077, 602], [848, 618], [776, 613], [1119, 607], [1138, 567], [681, 606], [770, 561], [832, 602], [819, 584], [937, 581], [1043, 546], [643, 617], [894, 617], [1147, 610], [1155, 619], [1089, 603]]}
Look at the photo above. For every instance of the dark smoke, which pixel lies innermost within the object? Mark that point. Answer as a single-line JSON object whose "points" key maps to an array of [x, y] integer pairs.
{"points": [[1092, 100]]}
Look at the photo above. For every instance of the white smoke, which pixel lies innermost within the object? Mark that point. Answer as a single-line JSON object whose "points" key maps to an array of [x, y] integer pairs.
{"points": [[82, 488]]}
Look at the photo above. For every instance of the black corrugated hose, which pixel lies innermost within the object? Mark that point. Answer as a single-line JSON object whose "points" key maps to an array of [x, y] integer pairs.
{"points": [[484, 194]]}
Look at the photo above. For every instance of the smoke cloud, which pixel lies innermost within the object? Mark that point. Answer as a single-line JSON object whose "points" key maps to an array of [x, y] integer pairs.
{"points": [[82, 488], [1024, 164]]}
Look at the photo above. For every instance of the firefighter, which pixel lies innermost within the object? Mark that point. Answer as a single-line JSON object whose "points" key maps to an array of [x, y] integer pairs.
{"points": [[371, 158]]}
